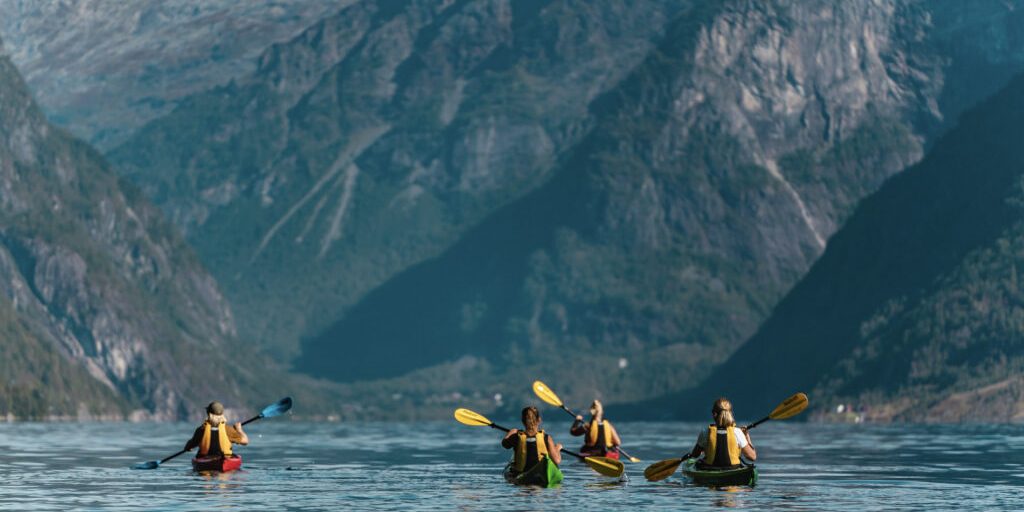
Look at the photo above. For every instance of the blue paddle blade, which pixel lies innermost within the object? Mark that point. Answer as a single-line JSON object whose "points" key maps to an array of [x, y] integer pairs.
{"points": [[152, 464], [282, 406]]}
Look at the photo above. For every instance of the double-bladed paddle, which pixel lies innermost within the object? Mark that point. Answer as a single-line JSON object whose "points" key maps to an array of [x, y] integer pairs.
{"points": [[787, 409], [603, 465], [276, 409], [544, 393]]}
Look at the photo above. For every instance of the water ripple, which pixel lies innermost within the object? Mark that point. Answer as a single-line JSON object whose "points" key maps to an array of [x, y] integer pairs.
{"points": [[446, 466]]}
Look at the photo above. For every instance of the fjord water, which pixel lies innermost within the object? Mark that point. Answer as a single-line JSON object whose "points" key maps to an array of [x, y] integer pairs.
{"points": [[446, 466]]}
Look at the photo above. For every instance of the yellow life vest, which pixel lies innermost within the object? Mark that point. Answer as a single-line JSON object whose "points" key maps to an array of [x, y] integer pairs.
{"points": [[595, 428], [222, 439], [519, 460], [712, 451]]}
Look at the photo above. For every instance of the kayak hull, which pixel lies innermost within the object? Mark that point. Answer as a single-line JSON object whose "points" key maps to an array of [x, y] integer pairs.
{"points": [[596, 452], [744, 475], [217, 463], [543, 474]]}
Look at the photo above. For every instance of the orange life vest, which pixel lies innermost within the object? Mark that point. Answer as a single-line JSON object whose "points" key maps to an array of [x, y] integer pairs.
{"points": [[595, 428], [719, 454], [519, 459], [222, 439]]}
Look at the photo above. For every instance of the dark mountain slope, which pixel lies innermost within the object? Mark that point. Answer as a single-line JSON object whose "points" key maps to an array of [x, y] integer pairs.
{"points": [[916, 296]]}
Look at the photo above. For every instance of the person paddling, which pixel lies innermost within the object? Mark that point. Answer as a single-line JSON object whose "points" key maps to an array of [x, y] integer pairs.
{"points": [[723, 442], [600, 438], [531, 445], [215, 437]]}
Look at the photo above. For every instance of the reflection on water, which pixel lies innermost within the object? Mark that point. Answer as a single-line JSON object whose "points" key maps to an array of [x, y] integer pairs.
{"points": [[446, 466]]}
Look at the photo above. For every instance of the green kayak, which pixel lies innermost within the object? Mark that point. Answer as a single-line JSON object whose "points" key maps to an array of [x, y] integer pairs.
{"points": [[743, 475], [543, 474]]}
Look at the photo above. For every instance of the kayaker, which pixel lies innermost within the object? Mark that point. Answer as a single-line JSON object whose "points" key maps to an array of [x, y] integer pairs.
{"points": [[530, 445], [723, 442], [214, 437], [600, 439]]}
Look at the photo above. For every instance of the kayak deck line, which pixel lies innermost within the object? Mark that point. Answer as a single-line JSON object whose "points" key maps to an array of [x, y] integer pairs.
{"points": [[746, 474], [543, 474], [217, 463]]}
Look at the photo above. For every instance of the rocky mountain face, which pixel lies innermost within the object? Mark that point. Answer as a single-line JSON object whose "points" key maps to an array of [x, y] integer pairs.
{"points": [[554, 184], [105, 312], [914, 312], [373, 141], [103, 68]]}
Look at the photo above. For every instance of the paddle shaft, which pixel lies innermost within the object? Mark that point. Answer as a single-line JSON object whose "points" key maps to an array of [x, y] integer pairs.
{"points": [[758, 422], [574, 454], [169, 457]]}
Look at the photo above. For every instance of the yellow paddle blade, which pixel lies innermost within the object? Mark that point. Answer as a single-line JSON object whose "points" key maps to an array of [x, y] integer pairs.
{"points": [[790, 407], [544, 393], [662, 469], [606, 466], [468, 417], [634, 459]]}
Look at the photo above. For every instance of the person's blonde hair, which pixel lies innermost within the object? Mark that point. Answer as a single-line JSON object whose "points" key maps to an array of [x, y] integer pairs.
{"points": [[215, 419], [722, 412], [531, 419], [596, 409]]}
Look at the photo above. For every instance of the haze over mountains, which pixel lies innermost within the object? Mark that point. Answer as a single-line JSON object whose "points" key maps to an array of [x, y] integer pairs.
{"points": [[103, 68], [431, 202]]}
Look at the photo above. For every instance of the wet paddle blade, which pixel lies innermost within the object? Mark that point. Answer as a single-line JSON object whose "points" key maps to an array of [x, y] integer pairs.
{"points": [[662, 469], [790, 407], [150, 464], [606, 466], [282, 406], [544, 393], [468, 417]]}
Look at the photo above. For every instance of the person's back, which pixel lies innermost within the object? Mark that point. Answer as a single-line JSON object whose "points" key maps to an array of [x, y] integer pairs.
{"points": [[215, 437], [722, 443], [600, 436], [531, 445]]}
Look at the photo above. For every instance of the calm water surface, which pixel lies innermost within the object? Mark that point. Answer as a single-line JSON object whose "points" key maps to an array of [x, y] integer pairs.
{"points": [[447, 466]]}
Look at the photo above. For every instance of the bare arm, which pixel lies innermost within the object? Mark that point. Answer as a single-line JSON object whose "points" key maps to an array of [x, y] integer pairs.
{"points": [[616, 441], [240, 436], [748, 450], [554, 450]]}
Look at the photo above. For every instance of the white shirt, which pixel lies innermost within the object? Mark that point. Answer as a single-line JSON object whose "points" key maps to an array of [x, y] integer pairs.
{"points": [[741, 440]]}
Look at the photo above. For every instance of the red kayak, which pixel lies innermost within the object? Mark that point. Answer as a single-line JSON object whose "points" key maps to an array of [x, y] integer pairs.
{"points": [[598, 452], [217, 463]]}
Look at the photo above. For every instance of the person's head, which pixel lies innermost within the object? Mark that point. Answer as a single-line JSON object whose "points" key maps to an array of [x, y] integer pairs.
{"points": [[722, 412], [531, 419], [596, 409], [215, 413]]}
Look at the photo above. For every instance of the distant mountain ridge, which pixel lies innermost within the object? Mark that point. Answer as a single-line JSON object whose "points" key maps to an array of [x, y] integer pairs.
{"points": [[914, 312], [103, 68]]}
